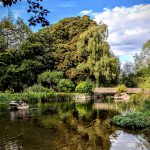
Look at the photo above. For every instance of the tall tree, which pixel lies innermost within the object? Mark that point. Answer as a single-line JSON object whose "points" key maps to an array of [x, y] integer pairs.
{"points": [[143, 58], [128, 75], [10, 16], [95, 57], [13, 33], [22, 30]]}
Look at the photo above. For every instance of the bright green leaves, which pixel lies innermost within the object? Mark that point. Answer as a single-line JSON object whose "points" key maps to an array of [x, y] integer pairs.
{"points": [[95, 57], [65, 85]]}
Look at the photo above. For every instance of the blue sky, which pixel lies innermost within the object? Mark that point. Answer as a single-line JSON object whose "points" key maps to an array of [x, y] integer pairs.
{"points": [[128, 20]]}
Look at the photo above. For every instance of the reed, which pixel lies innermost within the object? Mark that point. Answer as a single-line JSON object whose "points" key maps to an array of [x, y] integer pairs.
{"points": [[34, 97]]}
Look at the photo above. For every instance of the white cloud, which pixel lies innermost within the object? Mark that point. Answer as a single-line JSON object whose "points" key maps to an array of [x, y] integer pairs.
{"points": [[128, 27], [85, 12]]}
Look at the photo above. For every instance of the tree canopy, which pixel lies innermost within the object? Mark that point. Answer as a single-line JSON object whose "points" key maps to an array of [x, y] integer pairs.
{"points": [[95, 57], [75, 46]]}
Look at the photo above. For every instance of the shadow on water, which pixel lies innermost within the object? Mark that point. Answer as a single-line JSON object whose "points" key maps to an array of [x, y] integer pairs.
{"points": [[65, 126]]}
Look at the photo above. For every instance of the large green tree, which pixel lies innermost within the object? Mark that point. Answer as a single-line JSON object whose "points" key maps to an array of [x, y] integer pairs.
{"points": [[75, 36], [20, 65], [94, 55]]}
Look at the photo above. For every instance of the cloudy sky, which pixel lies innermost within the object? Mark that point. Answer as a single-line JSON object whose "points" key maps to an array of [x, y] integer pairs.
{"points": [[128, 20]]}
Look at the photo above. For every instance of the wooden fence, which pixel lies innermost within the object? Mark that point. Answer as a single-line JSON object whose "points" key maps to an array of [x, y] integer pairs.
{"points": [[113, 90]]}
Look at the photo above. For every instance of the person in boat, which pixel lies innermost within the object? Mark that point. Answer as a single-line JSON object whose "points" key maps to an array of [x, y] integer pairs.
{"points": [[22, 103]]}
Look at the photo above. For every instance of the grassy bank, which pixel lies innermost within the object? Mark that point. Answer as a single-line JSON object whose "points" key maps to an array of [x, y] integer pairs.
{"points": [[33, 97]]}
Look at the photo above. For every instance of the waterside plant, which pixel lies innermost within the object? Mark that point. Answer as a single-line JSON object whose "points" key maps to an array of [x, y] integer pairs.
{"points": [[134, 120]]}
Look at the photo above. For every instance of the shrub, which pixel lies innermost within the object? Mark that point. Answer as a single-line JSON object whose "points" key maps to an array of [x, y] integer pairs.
{"points": [[137, 120], [85, 87], [37, 88], [65, 85], [121, 88]]}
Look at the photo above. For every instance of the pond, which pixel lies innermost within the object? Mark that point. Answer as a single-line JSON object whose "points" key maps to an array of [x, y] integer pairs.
{"points": [[66, 126]]}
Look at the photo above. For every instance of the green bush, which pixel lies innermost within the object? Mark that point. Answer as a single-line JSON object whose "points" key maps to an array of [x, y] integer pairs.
{"points": [[37, 88], [85, 87], [65, 85], [121, 88], [137, 120]]}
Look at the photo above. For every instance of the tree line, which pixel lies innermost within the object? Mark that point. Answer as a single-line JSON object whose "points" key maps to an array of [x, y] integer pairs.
{"points": [[74, 49]]}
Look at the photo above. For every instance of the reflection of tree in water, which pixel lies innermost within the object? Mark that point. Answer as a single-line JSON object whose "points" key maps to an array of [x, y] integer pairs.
{"points": [[87, 131], [78, 127]]}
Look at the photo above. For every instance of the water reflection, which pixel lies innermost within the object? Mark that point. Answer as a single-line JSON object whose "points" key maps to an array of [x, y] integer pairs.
{"points": [[126, 141], [11, 145], [65, 126]]}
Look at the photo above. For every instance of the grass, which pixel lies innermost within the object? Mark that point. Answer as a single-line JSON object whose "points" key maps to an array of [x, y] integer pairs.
{"points": [[33, 97]]}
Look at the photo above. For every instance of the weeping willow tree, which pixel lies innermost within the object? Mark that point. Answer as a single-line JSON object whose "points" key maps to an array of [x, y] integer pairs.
{"points": [[95, 57]]}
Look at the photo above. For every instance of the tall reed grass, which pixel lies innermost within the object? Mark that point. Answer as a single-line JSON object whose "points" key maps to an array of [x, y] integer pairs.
{"points": [[33, 97]]}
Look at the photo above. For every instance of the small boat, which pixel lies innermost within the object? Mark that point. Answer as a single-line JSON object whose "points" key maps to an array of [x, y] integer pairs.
{"points": [[17, 106]]}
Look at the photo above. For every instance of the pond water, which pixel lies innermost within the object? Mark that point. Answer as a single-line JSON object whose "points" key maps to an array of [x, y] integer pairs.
{"points": [[66, 126]]}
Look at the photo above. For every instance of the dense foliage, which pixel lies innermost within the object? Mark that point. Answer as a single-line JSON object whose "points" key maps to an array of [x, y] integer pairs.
{"points": [[50, 79], [85, 87], [21, 61], [65, 85], [74, 48], [136, 120], [94, 56]]}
